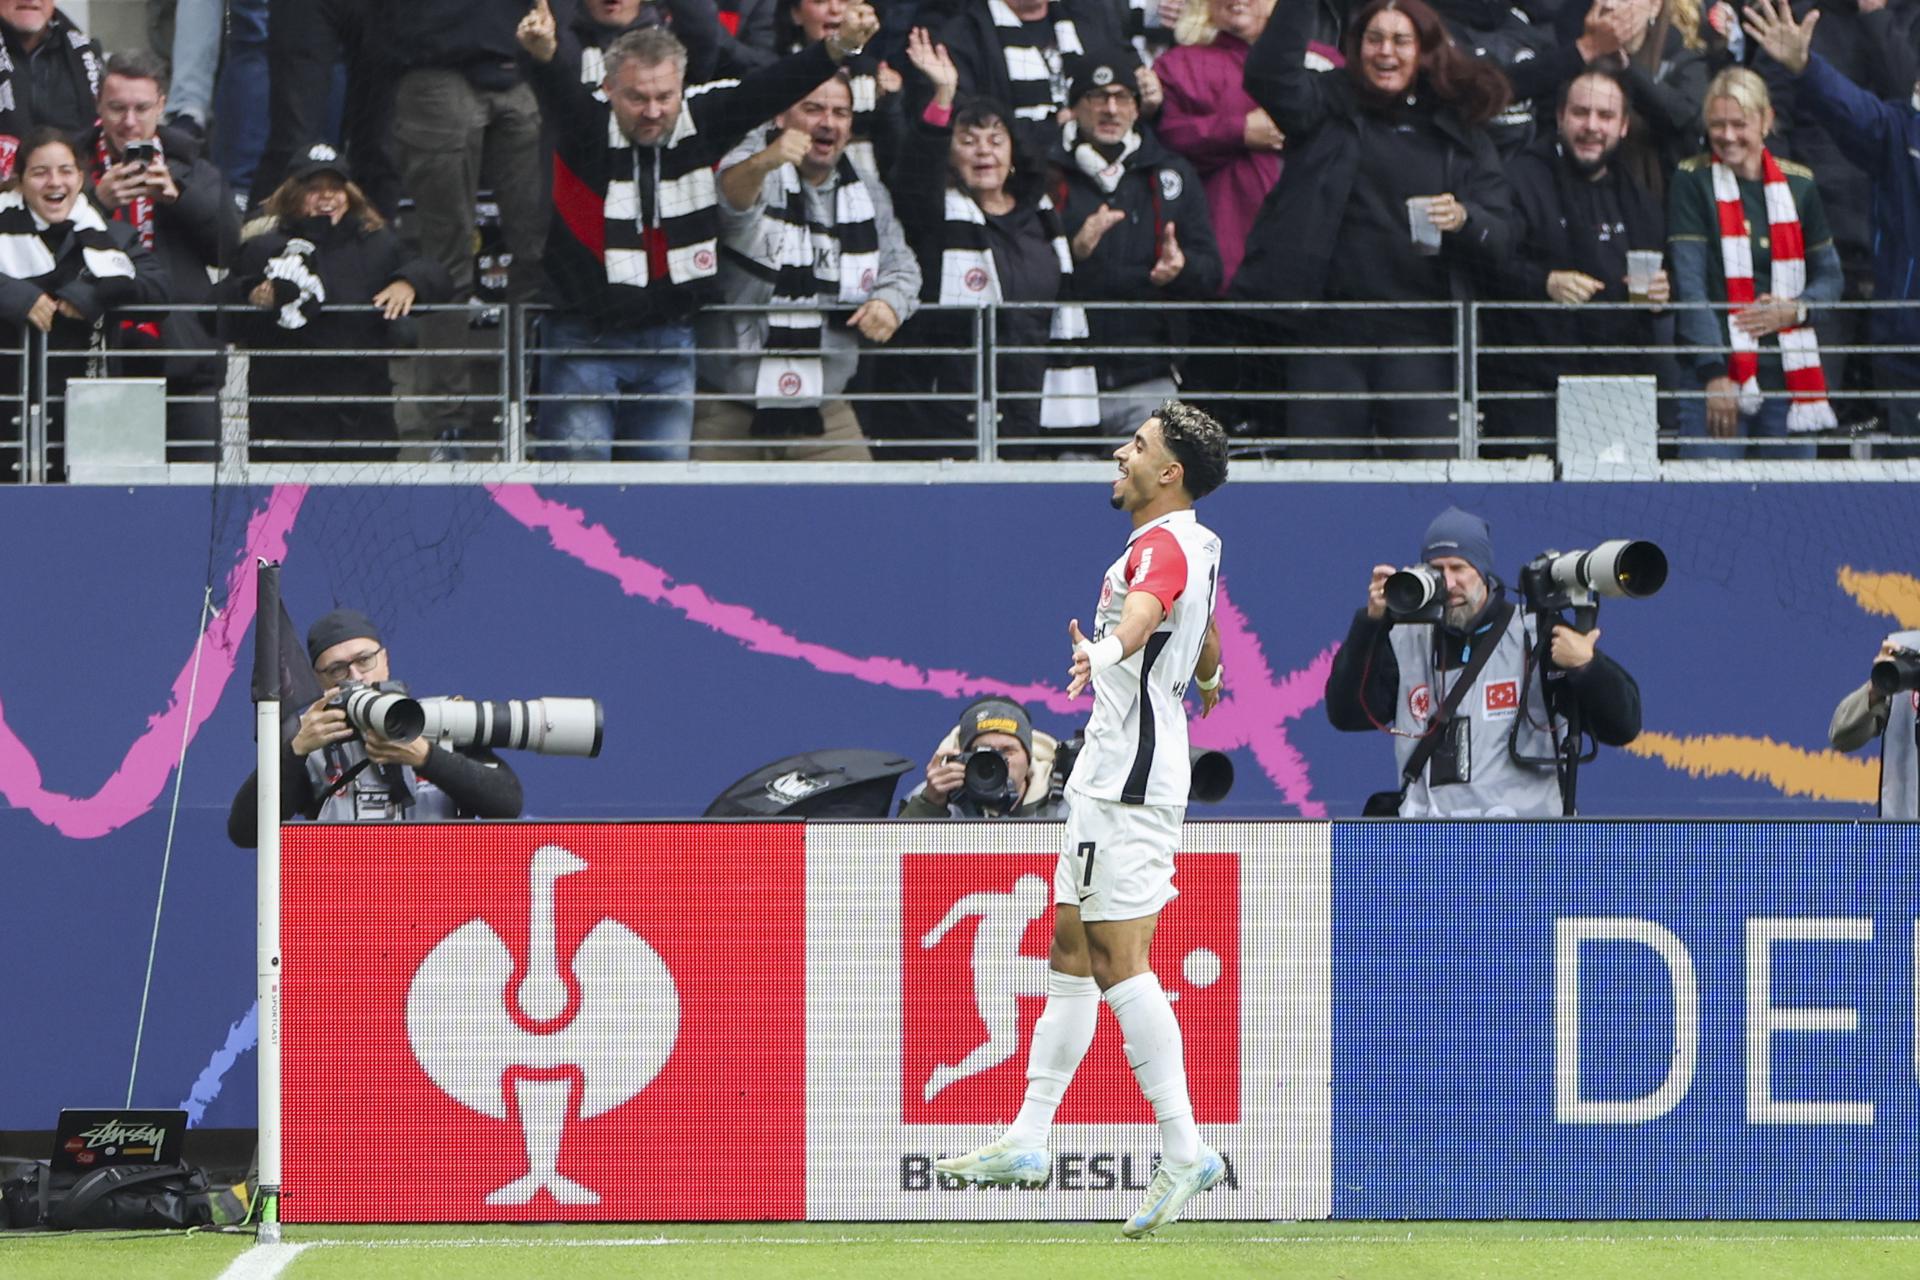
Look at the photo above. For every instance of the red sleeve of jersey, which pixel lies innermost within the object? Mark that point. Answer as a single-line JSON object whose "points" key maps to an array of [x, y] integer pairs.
{"points": [[1157, 566]]}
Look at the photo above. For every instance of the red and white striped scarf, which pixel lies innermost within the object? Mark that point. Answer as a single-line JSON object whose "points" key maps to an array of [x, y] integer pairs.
{"points": [[1799, 348]]}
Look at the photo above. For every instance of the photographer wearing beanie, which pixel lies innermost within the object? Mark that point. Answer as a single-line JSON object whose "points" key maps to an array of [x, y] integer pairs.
{"points": [[1025, 780], [329, 773], [1890, 715], [1492, 755]]}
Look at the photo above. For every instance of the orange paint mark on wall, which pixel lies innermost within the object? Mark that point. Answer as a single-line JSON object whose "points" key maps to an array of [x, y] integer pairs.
{"points": [[1821, 775], [1893, 595]]}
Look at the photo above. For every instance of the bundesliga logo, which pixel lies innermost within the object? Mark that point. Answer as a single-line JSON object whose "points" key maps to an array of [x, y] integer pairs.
{"points": [[975, 930]]}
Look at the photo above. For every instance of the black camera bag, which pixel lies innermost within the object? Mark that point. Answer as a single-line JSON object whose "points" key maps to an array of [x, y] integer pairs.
{"points": [[126, 1197]]}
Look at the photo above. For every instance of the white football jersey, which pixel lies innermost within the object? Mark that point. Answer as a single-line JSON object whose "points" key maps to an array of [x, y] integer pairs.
{"points": [[1136, 746]]}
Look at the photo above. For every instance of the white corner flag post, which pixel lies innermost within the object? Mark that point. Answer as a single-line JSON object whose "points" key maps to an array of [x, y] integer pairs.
{"points": [[266, 727]]}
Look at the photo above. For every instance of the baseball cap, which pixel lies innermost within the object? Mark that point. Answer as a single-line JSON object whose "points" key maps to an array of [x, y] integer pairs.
{"points": [[318, 158]]}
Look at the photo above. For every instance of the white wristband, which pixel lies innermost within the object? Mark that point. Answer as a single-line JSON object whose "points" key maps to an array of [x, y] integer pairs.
{"points": [[1102, 654], [1208, 686]]}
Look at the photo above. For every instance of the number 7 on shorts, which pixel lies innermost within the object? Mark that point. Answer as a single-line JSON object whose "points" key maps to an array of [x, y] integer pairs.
{"points": [[1086, 852]]}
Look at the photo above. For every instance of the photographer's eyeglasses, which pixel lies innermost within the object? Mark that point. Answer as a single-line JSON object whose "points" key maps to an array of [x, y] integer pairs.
{"points": [[361, 664]]}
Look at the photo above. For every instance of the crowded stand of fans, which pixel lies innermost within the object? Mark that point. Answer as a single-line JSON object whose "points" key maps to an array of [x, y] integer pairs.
{"points": [[771, 229]]}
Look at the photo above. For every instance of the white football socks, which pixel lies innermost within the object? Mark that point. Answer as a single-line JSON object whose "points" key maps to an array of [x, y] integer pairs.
{"points": [[1153, 1051], [1060, 1040]]}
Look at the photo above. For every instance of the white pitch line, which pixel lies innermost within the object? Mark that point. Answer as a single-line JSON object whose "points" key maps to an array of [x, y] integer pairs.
{"points": [[263, 1261], [737, 1241]]}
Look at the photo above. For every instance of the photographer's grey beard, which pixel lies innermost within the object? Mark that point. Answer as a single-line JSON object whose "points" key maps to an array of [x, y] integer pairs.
{"points": [[1458, 616]]}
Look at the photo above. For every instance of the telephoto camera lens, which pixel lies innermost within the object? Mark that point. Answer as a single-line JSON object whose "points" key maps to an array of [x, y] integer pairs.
{"points": [[1412, 589], [1898, 674], [393, 716], [550, 726], [1619, 567]]}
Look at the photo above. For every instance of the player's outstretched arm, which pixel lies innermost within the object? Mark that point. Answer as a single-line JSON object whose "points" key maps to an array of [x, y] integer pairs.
{"points": [[1141, 613]]}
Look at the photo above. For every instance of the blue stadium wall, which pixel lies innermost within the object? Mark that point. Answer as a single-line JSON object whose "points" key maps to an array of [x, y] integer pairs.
{"points": [[726, 626]]}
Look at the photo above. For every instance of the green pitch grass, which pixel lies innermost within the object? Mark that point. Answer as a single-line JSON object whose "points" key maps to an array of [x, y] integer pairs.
{"points": [[1297, 1251]]}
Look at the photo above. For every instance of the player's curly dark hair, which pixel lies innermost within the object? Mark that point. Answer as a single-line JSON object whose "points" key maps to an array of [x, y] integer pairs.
{"points": [[1197, 443]]}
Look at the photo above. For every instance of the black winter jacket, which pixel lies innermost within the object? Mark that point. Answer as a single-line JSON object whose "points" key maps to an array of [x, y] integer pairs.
{"points": [[473, 37], [1876, 52], [354, 263], [57, 84], [70, 281], [1158, 188], [1290, 251], [199, 231], [1550, 233]]}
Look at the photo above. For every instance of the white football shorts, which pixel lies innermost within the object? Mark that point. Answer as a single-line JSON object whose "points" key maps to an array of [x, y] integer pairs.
{"points": [[1117, 863]]}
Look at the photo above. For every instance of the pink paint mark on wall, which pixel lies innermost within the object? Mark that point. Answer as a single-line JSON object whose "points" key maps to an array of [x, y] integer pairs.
{"points": [[149, 762], [1255, 713], [1258, 708]]}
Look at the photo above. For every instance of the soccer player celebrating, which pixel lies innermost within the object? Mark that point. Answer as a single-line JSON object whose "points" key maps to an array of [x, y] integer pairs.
{"points": [[1153, 630]]}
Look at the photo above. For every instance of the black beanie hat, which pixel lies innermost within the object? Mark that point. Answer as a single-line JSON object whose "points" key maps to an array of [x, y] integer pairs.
{"points": [[1460, 533], [996, 715], [341, 624]]}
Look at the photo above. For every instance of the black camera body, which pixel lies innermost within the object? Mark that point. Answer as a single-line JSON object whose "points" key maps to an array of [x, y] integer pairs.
{"points": [[383, 709], [989, 783], [1416, 594], [1898, 674]]}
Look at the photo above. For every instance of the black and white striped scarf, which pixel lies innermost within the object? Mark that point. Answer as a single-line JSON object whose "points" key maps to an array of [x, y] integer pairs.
{"points": [[682, 225], [791, 381], [1070, 392], [25, 252], [863, 78], [1036, 74], [593, 71]]}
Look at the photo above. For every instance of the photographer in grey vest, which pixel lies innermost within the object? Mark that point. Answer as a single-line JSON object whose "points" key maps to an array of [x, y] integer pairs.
{"points": [[331, 773], [1493, 757], [1888, 713]]}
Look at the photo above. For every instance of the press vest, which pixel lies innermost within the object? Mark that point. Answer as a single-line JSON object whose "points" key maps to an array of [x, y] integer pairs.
{"points": [[369, 797], [1900, 759], [1498, 785]]}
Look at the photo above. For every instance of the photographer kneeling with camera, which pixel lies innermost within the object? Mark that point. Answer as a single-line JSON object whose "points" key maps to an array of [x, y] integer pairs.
{"points": [[1886, 707], [993, 764], [332, 772], [1465, 697]]}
